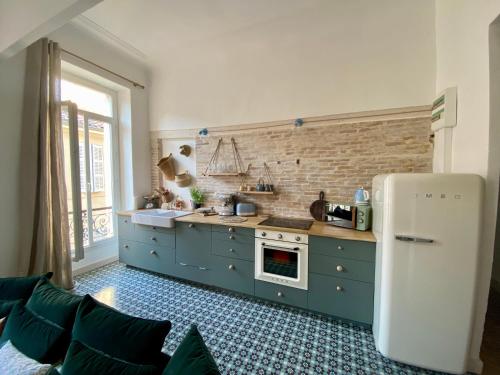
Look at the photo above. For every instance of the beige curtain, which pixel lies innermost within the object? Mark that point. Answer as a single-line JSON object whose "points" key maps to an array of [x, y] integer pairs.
{"points": [[45, 242]]}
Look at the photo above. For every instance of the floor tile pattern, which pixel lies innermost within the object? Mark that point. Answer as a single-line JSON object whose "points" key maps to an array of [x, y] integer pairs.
{"points": [[245, 335]]}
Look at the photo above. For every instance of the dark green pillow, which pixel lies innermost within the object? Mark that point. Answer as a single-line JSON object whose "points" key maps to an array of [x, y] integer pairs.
{"points": [[82, 359], [13, 289], [119, 335], [34, 336], [54, 304], [192, 357]]}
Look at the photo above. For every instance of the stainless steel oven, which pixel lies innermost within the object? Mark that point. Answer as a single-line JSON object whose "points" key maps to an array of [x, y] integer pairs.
{"points": [[281, 258]]}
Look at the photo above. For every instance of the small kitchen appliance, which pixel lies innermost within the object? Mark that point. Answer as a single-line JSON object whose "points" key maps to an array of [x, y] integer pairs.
{"points": [[281, 258], [363, 217], [361, 197], [428, 231], [341, 215], [227, 204], [246, 209]]}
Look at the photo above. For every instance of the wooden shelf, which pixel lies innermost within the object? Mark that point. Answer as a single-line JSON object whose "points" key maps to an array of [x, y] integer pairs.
{"points": [[214, 174], [254, 192]]}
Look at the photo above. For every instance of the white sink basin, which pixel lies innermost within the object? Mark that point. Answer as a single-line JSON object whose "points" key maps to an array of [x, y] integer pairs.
{"points": [[158, 218]]}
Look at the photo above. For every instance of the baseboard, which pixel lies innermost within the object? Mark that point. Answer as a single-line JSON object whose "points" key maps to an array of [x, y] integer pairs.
{"points": [[475, 365], [93, 266]]}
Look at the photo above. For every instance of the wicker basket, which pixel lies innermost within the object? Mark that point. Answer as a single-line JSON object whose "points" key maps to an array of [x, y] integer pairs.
{"points": [[166, 165], [183, 179]]}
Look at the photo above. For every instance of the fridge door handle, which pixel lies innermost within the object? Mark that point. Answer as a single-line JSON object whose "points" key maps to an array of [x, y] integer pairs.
{"points": [[400, 237]]}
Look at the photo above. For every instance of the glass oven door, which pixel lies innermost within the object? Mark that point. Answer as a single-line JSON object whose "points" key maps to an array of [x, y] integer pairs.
{"points": [[282, 262]]}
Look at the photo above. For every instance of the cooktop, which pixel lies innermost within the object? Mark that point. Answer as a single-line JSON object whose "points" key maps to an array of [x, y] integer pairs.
{"points": [[285, 222]]}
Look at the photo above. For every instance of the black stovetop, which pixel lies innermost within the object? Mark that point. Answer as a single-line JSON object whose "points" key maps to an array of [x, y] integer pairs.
{"points": [[285, 222]]}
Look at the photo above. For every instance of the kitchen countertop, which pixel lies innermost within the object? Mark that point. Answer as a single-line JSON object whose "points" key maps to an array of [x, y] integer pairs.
{"points": [[317, 229]]}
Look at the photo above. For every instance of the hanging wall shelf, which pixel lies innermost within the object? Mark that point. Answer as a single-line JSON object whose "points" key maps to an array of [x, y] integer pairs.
{"points": [[215, 169]]}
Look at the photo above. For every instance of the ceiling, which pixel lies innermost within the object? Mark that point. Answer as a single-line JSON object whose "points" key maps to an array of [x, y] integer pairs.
{"points": [[155, 28]]}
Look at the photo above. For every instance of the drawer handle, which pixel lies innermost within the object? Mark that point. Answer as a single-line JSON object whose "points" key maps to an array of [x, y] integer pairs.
{"points": [[280, 294], [154, 228], [231, 267], [182, 264], [125, 221], [340, 248], [125, 246], [191, 225], [339, 288], [152, 252], [231, 229], [340, 268], [203, 268], [231, 250], [153, 238], [231, 237]]}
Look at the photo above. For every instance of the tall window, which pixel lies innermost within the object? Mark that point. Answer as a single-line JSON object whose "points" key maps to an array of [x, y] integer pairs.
{"points": [[89, 134]]}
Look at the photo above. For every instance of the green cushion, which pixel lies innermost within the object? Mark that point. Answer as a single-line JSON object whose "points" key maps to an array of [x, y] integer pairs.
{"points": [[6, 306], [119, 335], [13, 289], [192, 357], [82, 359], [34, 336], [54, 304]]}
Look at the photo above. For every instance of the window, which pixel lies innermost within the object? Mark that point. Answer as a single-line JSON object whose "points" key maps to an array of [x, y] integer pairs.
{"points": [[88, 122]]}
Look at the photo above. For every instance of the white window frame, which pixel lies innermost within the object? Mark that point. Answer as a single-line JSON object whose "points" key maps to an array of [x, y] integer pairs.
{"points": [[115, 157]]}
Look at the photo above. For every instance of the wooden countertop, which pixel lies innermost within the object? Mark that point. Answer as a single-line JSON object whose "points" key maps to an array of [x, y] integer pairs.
{"points": [[317, 229]]}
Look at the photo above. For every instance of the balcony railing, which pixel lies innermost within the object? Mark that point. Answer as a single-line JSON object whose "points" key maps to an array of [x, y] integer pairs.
{"points": [[102, 225]]}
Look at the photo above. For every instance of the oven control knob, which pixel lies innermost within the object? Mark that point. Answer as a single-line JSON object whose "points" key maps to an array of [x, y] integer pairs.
{"points": [[340, 268], [297, 238], [280, 236], [263, 234], [280, 294]]}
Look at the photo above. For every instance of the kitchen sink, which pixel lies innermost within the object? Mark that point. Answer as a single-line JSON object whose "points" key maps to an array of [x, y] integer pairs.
{"points": [[158, 217]]}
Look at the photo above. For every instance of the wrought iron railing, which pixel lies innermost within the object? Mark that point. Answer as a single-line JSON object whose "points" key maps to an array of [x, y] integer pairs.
{"points": [[102, 225]]}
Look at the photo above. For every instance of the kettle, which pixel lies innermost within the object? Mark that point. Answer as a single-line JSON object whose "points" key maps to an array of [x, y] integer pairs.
{"points": [[361, 196]]}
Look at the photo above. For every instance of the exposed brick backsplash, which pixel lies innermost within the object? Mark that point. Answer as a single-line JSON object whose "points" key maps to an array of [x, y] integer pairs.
{"points": [[335, 158]]}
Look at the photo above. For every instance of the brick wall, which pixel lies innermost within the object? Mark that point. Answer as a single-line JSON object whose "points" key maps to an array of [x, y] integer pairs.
{"points": [[335, 158]]}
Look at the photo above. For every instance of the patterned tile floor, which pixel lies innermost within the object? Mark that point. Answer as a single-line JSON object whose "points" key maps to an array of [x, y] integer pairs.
{"points": [[245, 335]]}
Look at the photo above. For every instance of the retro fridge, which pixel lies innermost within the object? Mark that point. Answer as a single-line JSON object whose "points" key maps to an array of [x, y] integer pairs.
{"points": [[427, 228]]}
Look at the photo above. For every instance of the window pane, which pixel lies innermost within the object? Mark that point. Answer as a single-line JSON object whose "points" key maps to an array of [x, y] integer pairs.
{"points": [[86, 98], [101, 179]]}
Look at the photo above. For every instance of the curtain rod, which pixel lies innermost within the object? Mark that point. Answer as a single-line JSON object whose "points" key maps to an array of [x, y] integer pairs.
{"points": [[106, 70]]}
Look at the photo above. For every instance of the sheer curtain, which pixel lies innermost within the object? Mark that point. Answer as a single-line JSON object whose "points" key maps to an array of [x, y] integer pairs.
{"points": [[44, 244]]}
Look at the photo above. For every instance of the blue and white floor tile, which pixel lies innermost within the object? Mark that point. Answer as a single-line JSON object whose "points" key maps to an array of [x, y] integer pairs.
{"points": [[245, 335]]}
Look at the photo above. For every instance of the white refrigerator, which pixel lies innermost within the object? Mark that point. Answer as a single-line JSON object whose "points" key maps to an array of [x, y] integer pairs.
{"points": [[427, 228]]}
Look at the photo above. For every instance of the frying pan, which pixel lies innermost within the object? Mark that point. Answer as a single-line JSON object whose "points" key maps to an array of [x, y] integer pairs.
{"points": [[318, 208]]}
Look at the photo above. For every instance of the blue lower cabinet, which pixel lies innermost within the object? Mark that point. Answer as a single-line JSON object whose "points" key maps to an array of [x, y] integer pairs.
{"points": [[357, 250], [199, 273], [149, 257], [232, 249], [342, 268], [125, 227], [233, 274], [348, 299], [281, 293], [193, 245]]}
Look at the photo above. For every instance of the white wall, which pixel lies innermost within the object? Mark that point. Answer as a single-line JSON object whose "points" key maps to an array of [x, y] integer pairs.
{"points": [[11, 97], [462, 60], [344, 56], [24, 21]]}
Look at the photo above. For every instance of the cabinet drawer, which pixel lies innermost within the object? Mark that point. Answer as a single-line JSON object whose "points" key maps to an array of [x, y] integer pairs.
{"points": [[233, 249], [125, 227], [280, 293], [342, 268], [235, 230], [152, 238], [236, 238], [358, 250], [346, 299], [200, 274], [151, 228], [233, 274], [149, 257]]}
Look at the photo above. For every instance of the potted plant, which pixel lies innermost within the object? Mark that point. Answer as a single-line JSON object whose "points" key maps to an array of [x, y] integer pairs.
{"points": [[197, 197]]}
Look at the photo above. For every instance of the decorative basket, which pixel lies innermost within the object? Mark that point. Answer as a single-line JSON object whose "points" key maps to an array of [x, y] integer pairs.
{"points": [[183, 179], [166, 165]]}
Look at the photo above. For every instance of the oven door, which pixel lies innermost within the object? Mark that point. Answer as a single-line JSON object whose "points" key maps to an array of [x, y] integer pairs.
{"points": [[281, 262]]}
